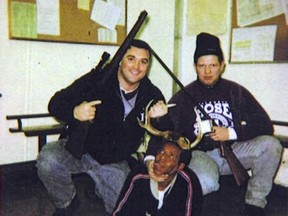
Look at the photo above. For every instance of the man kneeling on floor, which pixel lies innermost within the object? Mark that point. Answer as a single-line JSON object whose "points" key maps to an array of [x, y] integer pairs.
{"points": [[179, 194]]}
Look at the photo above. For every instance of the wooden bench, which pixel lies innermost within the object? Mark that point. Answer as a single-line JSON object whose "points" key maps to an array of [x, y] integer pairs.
{"points": [[41, 131], [44, 130]]}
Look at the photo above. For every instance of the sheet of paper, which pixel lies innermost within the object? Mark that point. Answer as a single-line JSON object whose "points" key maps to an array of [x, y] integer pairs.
{"points": [[24, 20], [253, 44], [285, 7], [83, 4], [48, 17], [253, 11], [207, 16], [106, 14], [107, 35], [120, 4]]}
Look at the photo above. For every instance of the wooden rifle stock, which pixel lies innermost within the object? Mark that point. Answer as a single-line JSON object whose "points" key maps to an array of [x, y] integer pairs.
{"points": [[77, 132], [239, 173]]}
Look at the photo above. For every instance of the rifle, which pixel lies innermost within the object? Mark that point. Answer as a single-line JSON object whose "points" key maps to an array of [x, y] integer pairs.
{"points": [[238, 171], [240, 174], [114, 63], [77, 132]]}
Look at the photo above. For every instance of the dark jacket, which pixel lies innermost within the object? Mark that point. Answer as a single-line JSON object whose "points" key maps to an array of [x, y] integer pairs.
{"points": [[136, 198], [110, 138], [228, 103]]}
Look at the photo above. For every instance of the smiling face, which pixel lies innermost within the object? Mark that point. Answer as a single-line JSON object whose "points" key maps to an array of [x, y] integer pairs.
{"points": [[167, 160], [133, 67], [209, 69]]}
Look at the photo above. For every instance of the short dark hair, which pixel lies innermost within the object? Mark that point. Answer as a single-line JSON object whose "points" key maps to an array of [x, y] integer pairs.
{"points": [[141, 44], [185, 154]]}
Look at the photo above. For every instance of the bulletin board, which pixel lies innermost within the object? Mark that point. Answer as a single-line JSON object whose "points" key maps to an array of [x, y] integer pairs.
{"points": [[68, 21], [265, 41]]}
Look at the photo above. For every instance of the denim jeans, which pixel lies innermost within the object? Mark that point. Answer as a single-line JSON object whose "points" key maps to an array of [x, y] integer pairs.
{"points": [[56, 166], [261, 154]]}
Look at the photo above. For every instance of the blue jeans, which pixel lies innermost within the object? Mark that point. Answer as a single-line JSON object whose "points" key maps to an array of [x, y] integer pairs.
{"points": [[56, 166], [261, 154]]}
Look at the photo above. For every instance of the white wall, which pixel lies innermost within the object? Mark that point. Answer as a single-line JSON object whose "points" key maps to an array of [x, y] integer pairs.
{"points": [[31, 72], [159, 32]]}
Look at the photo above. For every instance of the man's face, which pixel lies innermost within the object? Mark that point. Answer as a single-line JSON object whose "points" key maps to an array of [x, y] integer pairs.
{"points": [[166, 161], [209, 69], [133, 67]]}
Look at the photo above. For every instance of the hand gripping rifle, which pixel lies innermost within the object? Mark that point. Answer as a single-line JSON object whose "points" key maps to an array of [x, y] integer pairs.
{"points": [[239, 173], [77, 132]]}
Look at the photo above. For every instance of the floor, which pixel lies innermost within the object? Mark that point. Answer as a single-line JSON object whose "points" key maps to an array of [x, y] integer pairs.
{"points": [[22, 193]]}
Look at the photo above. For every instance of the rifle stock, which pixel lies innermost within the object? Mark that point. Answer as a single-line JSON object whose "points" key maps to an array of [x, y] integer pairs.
{"points": [[238, 171], [77, 132]]}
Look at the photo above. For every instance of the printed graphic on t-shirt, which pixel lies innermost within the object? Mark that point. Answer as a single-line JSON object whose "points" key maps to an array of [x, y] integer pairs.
{"points": [[219, 111]]}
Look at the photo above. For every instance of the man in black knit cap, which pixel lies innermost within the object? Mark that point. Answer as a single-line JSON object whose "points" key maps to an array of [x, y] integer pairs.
{"points": [[238, 120]]}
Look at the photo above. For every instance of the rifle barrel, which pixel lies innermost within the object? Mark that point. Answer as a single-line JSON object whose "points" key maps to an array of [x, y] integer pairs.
{"points": [[126, 43]]}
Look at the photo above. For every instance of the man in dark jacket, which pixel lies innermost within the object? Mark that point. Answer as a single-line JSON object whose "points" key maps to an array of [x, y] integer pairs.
{"points": [[180, 194], [109, 113], [238, 118]]}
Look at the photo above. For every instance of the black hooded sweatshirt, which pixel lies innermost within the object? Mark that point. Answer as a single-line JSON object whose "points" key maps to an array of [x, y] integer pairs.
{"points": [[110, 138]]}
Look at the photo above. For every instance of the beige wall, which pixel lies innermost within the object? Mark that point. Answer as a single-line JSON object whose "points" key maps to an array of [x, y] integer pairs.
{"points": [[31, 72]]}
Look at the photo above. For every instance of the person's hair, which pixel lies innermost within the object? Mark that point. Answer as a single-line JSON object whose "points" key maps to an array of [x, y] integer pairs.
{"points": [[141, 44], [185, 155]]}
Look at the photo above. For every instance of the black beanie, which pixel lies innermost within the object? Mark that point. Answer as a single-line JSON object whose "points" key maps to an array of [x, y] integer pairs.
{"points": [[207, 44]]}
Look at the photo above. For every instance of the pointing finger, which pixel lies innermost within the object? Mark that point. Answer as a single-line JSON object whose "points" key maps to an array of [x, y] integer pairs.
{"points": [[95, 103]]}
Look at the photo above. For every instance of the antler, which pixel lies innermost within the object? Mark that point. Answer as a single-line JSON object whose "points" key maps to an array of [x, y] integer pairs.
{"points": [[183, 142], [200, 133], [147, 124]]}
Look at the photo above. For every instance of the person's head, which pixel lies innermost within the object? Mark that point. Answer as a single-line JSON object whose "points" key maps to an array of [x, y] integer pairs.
{"points": [[170, 158], [134, 65], [208, 59]]}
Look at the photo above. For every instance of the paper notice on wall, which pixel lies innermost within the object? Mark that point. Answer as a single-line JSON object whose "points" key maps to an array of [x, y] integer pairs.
{"points": [[122, 5], [253, 11], [107, 35], [106, 14], [83, 4], [258, 46], [48, 17], [207, 16], [24, 20]]}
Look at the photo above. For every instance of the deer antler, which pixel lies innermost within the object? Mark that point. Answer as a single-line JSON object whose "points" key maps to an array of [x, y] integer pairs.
{"points": [[147, 124], [200, 134], [181, 140]]}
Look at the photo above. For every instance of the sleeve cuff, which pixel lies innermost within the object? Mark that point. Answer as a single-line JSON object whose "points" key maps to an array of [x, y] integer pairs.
{"points": [[232, 134], [149, 157]]}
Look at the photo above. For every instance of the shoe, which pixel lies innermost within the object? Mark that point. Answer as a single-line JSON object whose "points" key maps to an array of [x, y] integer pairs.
{"points": [[68, 211], [252, 210]]}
